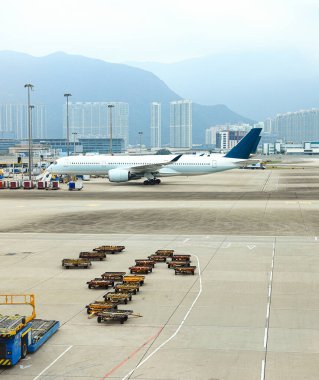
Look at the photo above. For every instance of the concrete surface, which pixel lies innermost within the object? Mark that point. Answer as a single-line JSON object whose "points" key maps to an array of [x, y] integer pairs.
{"points": [[254, 303]]}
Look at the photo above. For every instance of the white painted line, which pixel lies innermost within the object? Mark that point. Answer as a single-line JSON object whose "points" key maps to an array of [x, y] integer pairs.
{"points": [[177, 330], [186, 240], [262, 373], [226, 245], [316, 238], [265, 337], [270, 277], [269, 291], [268, 310], [54, 361]]}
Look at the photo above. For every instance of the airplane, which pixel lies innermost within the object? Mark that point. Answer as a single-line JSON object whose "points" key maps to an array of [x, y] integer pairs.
{"points": [[128, 168]]}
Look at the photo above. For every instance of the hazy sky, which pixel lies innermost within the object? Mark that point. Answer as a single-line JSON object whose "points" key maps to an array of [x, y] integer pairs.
{"points": [[161, 30]]}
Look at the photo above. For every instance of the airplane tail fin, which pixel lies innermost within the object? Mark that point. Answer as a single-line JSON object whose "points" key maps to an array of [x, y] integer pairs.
{"points": [[246, 146]]}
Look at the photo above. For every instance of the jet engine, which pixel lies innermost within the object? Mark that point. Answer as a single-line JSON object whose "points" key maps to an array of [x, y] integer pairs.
{"points": [[119, 175]]}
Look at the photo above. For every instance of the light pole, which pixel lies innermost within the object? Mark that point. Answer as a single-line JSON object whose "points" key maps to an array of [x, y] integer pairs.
{"points": [[74, 135], [31, 144], [29, 86], [140, 134], [110, 106], [67, 95]]}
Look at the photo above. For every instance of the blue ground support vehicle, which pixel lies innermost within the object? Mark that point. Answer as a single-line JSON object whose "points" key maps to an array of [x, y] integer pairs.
{"points": [[20, 335]]}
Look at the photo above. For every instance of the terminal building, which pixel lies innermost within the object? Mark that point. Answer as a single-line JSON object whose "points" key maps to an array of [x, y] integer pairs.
{"points": [[58, 147], [308, 148]]}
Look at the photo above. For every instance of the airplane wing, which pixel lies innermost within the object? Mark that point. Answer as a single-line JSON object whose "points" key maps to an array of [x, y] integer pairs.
{"points": [[151, 168]]}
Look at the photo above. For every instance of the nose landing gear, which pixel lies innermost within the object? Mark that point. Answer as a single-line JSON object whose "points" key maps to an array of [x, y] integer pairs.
{"points": [[153, 181]]}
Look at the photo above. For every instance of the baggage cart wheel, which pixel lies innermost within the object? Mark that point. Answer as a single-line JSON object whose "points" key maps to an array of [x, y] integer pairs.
{"points": [[99, 319], [125, 301], [88, 311], [90, 286], [131, 271], [123, 320]]}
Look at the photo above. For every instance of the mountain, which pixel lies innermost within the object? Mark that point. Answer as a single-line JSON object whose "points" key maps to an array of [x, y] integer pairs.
{"points": [[258, 84], [95, 80]]}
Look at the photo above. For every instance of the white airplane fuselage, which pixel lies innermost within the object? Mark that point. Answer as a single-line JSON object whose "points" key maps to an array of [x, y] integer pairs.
{"points": [[186, 165]]}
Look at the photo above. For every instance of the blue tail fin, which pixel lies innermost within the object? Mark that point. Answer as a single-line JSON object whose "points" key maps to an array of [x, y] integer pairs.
{"points": [[246, 145]]}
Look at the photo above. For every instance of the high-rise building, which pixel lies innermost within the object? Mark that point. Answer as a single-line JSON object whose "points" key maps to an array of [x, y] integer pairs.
{"points": [[229, 138], [236, 135], [14, 121], [181, 124], [156, 113], [92, 120], [297, 126]]}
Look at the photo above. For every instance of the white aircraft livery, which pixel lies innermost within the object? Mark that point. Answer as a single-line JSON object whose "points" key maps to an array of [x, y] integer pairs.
{"points": [[128, 168]]}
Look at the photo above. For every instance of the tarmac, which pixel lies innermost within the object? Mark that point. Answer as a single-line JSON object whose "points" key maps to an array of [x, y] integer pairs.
{"points": [[250, 312]]}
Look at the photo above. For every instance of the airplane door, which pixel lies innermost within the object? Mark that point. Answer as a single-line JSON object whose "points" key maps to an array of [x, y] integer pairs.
{"points": [[214, 163]]}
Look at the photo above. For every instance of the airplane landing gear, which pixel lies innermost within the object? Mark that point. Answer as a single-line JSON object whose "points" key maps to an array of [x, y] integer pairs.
{"points": [[153, 181]]}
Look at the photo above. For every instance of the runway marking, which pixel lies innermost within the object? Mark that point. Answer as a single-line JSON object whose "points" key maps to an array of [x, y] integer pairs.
{"points": [[262, 375], [265, 337], [186, 240], [266, 333], [131, 355], [54, 361], [251, 247], [177, 330]]}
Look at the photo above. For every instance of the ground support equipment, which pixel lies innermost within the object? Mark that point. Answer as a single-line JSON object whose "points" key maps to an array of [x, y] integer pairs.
{"points": [[76, 263], [185, 270]]}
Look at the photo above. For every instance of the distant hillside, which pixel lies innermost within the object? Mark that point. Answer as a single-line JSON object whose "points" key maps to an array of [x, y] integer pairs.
{"points": [[258, 84], [95, 80]]}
